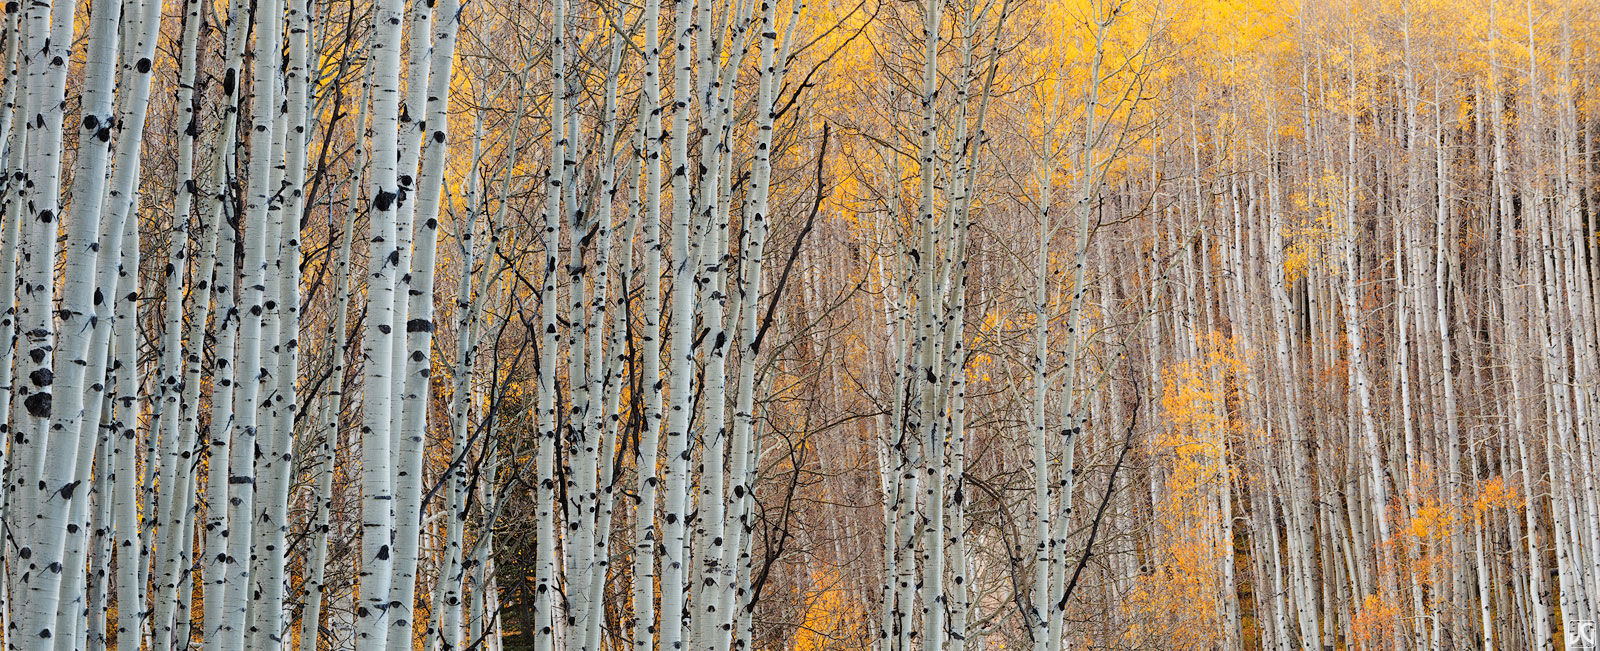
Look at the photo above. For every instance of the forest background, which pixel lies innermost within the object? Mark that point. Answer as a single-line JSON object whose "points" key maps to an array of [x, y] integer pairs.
{"points": [[800, 325]]}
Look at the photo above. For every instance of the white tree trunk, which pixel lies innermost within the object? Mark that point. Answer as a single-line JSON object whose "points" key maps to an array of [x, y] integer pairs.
{"points": [[546, 564], [680, 368], [645, 541], [377, 344], [179, 394], [72, 432], [41, 485], [330, 414], [419, 331], [221, 269], [252, 374]]}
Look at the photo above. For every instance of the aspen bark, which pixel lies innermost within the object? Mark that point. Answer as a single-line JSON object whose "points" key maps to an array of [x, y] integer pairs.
{"points": [[180, 396], [330, 412], [378, 340], [419, 327], [685, 275], [645, 536], [41, 486]]}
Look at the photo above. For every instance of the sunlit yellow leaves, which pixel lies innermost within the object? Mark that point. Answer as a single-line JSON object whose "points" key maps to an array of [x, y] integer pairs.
{"points": [[1374, 622], [1422, 545], [839, 27], [1495, 493], [1312, 228], [1176, 604], [1432, 523], [1231, 28], [829, 611]]}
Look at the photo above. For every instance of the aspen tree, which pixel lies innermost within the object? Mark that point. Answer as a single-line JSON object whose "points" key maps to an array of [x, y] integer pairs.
{"points": [[674, 539], [377, 518], [1355, 342], [82, 404], [904, 445], [268, 408], [924, 422], [1072, 425], [888, 487], [413, 114], [79, 314], [11, 78], [481, 629], [1441, 305], [960, 206], [1039, 382], [744, 443], [123, 199], [97, 600], [1282, 312], [545, 562], [590, 379], [277, 452], [1577, 296], [331, 407], [1334, 333], [464, 567], [419, 326], [469, 308], [578, 459], [130, 589], [180, 397], [1405, 290], [610, 423], [41, 485], [1510, 304], [954, 534], [252, 373], [580, 454], [222, 272], [645, 541], [710, 620], [944, 359], [14, 143]]}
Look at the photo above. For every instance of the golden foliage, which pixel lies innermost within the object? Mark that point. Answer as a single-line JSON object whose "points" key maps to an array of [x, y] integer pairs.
{"points": [[1177, 604], [1374, 622], [1497, 494], [830, 614]]}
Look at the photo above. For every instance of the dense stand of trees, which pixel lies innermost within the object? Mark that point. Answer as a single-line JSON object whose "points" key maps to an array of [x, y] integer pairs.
{"points": [[720, 325]]}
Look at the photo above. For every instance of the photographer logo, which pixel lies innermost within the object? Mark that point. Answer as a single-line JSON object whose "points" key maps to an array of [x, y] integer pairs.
{"points": [[1583, 636]]}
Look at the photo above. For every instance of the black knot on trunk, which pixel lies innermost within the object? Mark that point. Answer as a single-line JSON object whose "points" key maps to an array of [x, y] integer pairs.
{"points": [[38, 405]]}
